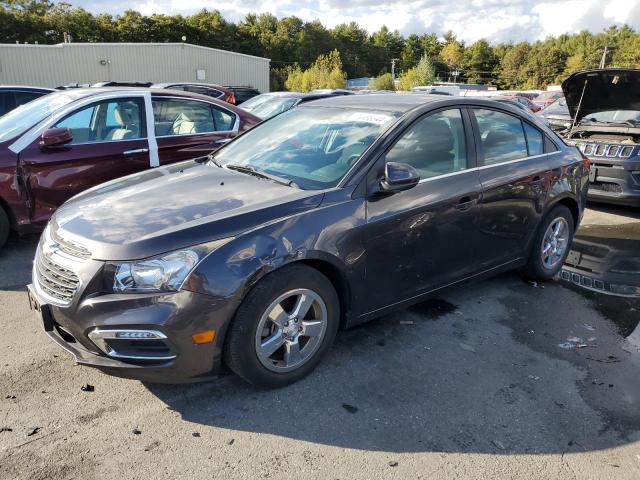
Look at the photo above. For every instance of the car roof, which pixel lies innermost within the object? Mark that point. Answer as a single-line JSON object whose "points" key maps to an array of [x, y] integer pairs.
{"points": [[26, 87], [198, 84], [78, 93], [399, 102]]}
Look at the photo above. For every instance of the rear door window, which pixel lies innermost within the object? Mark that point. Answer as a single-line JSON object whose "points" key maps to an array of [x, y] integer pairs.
{"points": [[177, 116], [502, 137]]}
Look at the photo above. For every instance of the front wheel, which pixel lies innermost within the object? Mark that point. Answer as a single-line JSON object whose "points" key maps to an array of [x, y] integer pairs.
{"points": [[283, 328], [551, 244]]}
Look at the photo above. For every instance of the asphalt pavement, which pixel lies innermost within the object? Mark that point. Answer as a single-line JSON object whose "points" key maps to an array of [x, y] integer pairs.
{"points": [[497, 379]]}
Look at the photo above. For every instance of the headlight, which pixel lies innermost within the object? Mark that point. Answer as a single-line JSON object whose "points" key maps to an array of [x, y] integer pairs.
{"points": [[164, 273]]}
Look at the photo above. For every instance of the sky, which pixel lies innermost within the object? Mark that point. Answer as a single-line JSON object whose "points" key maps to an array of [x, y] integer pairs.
{"points": [[495, 20]]}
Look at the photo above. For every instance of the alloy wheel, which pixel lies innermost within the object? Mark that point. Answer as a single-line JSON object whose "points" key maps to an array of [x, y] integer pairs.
{"points": [[555, 243], [291, 330]]}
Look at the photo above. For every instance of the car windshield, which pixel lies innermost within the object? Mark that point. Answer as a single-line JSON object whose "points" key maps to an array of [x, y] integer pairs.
{"points": [[18, 121], [271, 107], [548, 95], [614, 116], [313, 147], [255, 101], [559, 107]]}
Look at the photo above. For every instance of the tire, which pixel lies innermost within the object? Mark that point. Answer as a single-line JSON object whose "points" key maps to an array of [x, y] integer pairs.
{"points": [[253, 333], [537, 268], [5, 227]]}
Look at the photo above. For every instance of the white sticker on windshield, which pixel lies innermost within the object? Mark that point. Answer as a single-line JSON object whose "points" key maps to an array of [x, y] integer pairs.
{"points": [[375, 118]]}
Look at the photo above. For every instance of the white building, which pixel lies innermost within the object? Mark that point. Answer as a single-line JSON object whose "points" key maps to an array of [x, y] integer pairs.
{"points": [[54, 65]]}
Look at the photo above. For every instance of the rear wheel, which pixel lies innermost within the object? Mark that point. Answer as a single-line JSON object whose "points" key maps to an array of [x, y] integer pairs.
{"points": [[551, 245], [283, 328], [5, 227]]}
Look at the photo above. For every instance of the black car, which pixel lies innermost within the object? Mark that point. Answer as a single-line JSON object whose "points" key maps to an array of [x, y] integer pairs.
{"points": [[269, 105], [330, 214], [13, 96], [208, 89], [242, 94], [605, 107]]}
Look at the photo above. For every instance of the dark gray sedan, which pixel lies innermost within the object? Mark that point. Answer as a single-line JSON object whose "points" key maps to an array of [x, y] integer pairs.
{"points": [[324, 217]]}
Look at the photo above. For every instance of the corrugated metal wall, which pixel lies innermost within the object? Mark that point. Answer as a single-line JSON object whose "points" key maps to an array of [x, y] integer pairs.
{"points": [[53, 65]]}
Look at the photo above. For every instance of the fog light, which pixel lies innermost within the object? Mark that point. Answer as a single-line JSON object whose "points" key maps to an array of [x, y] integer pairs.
{"points": [[204, 337], [136, 335]]}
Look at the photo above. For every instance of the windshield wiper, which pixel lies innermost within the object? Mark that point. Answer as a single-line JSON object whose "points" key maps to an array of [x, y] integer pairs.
{"points": [[212, 159], [260, 173]]}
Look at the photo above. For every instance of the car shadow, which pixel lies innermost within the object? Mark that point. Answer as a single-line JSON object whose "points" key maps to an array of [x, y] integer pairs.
{"points": [[453, 374], [16, 260]]}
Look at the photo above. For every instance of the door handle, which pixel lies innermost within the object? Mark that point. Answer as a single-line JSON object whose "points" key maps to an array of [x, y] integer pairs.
{"points": [[466, 203], [222, 141], [136, 150]]}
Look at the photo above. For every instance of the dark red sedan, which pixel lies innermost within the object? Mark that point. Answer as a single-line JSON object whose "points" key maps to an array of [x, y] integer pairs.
{"points": [[59, 145]]}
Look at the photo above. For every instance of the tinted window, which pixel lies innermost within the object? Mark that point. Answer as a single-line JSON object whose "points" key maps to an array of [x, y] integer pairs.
{"points": [[501, 136], [25, 97], [106, 121], [312, 146], [434, 146], [175, 116], [223, 119], [535, 140], [6, 102]]}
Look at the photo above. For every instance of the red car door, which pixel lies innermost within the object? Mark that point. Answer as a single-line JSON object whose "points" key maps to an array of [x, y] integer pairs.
{"points": [[187, 128], [109, 141]]}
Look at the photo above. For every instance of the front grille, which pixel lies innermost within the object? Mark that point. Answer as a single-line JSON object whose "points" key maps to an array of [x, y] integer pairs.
{"points": [[605, 150], [605, 187], [54, 279]]}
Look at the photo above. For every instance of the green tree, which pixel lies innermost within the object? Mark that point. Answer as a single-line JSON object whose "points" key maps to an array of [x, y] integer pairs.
{"points": [[478, 62], [383, 82]]}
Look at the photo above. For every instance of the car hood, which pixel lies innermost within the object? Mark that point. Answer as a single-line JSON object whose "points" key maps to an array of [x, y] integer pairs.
{"points": [[609, 89], [167, 208]]}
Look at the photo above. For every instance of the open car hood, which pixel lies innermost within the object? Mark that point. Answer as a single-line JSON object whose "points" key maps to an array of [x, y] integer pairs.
{"points": [[608, 89]]}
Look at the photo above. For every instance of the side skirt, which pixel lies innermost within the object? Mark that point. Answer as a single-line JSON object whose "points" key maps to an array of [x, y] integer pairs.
{"points": [[403, 304]]}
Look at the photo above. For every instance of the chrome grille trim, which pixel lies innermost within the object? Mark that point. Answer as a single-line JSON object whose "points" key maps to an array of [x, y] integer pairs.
{"points": [[69, 247], [55, 280], [54, 272], [605, 150]]}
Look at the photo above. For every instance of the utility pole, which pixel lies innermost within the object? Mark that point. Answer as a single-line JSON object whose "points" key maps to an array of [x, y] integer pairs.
{"points": [[603, 60], [393, 68]]}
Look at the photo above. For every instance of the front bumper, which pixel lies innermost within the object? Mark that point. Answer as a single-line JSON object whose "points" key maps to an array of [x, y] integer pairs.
{"points": [[615, 181], [177, 315]]}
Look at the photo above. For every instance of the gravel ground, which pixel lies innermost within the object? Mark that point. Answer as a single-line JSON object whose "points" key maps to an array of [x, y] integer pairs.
{"points": [[471, 384]]}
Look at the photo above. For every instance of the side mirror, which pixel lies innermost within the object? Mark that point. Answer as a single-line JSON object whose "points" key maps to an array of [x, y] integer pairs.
{"points": [[398, 177], [54, 137]]}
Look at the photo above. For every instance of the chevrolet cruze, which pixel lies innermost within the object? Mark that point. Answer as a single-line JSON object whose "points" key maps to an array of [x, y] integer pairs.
{"points": [[321, 218]]}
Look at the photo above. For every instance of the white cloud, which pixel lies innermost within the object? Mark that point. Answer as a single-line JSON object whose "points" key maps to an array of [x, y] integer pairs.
{"points": [[495, 20]]}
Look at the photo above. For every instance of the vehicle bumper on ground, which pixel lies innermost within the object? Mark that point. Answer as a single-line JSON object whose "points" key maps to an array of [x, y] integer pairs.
{"points": [[171, 356], [615, 181]]}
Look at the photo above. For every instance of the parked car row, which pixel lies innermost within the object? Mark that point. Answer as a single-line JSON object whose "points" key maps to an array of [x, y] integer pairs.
{"points": [[280, 221]]}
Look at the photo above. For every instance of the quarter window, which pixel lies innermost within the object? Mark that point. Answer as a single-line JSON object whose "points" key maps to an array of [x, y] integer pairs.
{"points": [[106, 121], [176, 116], [501, 136], [535, 142], [434, 146]]}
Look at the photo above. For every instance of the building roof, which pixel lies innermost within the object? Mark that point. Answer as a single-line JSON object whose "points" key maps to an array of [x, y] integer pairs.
{"points": [[126, 44]]}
